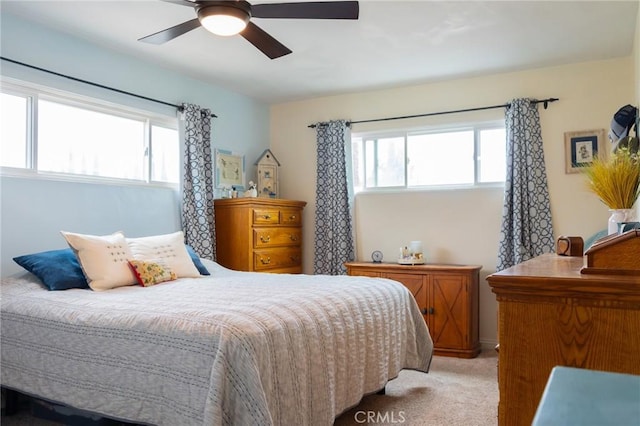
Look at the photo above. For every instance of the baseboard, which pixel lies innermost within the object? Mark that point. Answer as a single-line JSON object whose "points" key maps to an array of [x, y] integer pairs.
{"points": [[488, 345]]}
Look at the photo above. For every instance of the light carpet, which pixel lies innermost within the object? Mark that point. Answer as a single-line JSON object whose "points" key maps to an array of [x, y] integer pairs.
{"points": [[455, 392]]}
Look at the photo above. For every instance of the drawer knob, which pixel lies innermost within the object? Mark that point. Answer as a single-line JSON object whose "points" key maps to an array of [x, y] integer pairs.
{"points": [[293, 237], [267, 217], [292, 217], [265, 261], [265, 239], [294, 259]]}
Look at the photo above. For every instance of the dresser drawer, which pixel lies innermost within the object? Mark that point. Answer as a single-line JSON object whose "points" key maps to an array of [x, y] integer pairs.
{"points": [[266, 216], [274, 237], [291, 217], [263, 260]]}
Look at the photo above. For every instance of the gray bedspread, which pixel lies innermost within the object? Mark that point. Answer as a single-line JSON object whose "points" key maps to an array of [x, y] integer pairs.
{"points": [[235, 348]]}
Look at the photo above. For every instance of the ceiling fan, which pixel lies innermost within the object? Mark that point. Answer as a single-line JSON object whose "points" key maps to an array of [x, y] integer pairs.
{"points": [[230, 17]]}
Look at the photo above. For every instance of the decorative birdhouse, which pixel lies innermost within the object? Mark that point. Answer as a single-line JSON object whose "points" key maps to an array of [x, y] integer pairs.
{"points": [[268, 185]]}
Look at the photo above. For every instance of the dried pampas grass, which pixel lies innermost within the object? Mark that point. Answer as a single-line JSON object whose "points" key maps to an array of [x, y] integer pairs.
{"points": [[615, 181]]}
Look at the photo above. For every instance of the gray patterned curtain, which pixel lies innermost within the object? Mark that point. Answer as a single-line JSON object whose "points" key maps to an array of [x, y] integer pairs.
{"points": [[197, 182], [333, 233], [526, 231]]}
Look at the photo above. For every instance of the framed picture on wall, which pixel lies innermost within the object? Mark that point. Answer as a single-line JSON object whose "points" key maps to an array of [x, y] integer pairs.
{"points": [[229, 169], [581, 148]]}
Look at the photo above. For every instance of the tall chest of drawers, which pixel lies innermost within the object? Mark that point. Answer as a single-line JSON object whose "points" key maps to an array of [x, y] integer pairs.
{"points": [[259, 234]]}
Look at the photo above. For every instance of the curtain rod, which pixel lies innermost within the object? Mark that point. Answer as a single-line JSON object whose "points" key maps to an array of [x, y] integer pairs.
{"points": [[178, 107], [545, 103]]}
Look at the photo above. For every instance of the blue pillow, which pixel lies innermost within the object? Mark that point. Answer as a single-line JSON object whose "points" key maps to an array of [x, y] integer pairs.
{"points": [[196, 261], [57, 269]]}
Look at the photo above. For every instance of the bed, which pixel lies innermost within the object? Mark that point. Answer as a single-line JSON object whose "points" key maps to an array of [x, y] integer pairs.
{"points": [[232, 348]]}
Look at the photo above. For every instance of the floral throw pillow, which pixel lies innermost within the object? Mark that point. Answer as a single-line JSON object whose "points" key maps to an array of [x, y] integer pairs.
{"points": [[149, 273]]}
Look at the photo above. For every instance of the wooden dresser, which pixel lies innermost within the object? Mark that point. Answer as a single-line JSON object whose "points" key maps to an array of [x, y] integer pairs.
{"points": [[550, 314], [259, 234], [447, 295]]}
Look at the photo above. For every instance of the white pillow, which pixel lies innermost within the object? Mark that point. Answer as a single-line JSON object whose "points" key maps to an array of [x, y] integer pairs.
{"points": [[168, 248], [104, 259]]}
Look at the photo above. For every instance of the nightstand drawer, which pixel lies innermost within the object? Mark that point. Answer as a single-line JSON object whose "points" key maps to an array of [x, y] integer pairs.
{"points": [[266, 217], [263, 260], [274, 237], [363, 273]]}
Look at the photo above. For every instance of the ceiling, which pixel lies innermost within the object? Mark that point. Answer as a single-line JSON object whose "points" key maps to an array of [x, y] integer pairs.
{"points": [[394, 43]]}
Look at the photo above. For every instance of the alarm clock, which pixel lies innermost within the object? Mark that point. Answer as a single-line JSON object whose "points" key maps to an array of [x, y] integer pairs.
{"points": [[376, 256], [569, 246]]}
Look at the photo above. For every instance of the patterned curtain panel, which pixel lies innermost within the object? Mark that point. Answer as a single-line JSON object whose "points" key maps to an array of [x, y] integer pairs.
{"points": [[526, 231], [333, 232], [197, 185]]}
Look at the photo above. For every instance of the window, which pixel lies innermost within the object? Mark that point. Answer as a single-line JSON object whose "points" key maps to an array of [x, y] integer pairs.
{"points": [[14, 113], [470, 155], [53, 133]]}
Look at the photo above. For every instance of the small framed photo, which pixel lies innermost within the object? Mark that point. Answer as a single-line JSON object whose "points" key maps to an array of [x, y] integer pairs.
{"points": [[581, 148], [229, 170]]}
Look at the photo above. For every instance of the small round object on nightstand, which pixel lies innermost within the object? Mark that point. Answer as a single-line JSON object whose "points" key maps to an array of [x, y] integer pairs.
{"points": [[376, 256]]}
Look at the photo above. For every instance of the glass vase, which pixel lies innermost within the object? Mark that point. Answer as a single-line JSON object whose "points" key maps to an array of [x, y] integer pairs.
{"points": [[617, 216]]}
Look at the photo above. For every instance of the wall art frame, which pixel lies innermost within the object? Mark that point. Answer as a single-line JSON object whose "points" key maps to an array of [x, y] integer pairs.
{"points": [[582, 147], [230, 170]]}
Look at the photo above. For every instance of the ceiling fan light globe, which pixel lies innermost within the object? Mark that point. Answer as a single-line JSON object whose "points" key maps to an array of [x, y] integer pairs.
{"points": [[223, 20]]}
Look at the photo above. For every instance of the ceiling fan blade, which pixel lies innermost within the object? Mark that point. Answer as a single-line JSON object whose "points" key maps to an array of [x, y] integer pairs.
{"points": [[182, 2], [171, 33], [308, 10], [264, 42]]}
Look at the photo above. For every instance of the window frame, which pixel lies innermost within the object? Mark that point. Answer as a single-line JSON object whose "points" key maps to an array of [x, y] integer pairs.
{"points": [[475, 126], [34, 92]]}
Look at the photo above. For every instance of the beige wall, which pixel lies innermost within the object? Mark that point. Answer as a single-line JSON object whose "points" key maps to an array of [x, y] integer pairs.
{"points": [[636, 55], [458, 226]]}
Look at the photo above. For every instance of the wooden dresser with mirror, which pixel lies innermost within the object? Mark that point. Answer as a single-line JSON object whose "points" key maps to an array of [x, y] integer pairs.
{"points": [[550, 314]]}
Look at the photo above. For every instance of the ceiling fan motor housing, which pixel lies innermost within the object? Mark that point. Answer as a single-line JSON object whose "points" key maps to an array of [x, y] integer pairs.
{"points": [[237, 9]]}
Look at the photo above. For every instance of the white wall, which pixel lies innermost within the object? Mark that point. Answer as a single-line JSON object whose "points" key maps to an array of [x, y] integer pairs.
{"points": [[458, 226]]}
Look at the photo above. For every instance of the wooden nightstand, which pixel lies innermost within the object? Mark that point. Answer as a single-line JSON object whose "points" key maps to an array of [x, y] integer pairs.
{"points": [[447, 295]]}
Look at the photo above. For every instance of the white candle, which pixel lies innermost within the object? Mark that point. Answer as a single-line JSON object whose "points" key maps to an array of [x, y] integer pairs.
{"points": [[416, 247]]}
